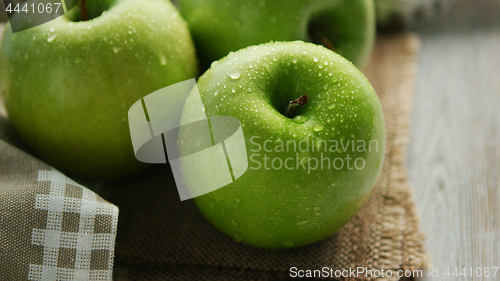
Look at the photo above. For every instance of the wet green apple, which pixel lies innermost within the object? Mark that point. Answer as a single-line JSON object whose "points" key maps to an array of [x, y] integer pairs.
{"points": [[68, 84], [221, 26], [315, 141]]}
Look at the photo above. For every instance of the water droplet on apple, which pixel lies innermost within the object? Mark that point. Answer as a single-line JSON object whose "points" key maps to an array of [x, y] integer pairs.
{"points": [[288, 243], [315, 59], [233, 222], [117, 49], [235, 75], [237, 238], [317, 208], [51, 29], [301, 222], [163, 59], [318, 128], [294, 60], [237, 200], [51, 37], [299, 119]]}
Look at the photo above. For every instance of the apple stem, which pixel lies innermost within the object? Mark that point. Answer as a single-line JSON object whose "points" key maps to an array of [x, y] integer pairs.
{"points": [[83, 10], [296, 102], [324, 40], [326, 43]]}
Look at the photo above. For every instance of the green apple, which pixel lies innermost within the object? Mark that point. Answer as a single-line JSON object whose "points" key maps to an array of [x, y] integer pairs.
{"points": [[221, 26], [312, 161], [68, 84]]}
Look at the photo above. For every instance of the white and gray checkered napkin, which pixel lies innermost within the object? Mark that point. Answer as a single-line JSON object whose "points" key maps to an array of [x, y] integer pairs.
{"points": [[51, 228]]}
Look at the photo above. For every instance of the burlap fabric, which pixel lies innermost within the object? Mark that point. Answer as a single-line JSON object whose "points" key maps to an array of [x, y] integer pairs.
{"points": [[161, 238]]}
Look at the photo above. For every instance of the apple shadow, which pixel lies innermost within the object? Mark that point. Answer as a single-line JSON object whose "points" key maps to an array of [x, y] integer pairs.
{"points": [[157, 230]]}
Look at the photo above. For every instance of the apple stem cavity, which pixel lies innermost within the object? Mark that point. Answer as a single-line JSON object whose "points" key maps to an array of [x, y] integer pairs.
{"points": [[319, 37], [293, 104], [84, 12]]}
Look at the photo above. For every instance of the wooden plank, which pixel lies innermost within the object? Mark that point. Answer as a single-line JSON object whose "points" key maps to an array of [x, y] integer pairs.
{"points": [[454, 153]]}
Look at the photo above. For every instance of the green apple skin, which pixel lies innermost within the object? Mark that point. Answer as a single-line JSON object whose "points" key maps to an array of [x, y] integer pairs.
{"points": [[67, 86], [221, 26], [280, 208]]}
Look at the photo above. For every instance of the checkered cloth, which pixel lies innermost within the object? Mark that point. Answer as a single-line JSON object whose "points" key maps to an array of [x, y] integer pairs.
{"points": [[51, 228]]}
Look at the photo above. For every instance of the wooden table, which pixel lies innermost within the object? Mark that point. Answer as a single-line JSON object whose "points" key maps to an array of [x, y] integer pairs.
{"points": [[454, 152]]}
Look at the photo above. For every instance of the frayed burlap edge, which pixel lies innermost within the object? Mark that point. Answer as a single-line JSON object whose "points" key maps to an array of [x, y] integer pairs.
{"points": [[400, 228]]}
